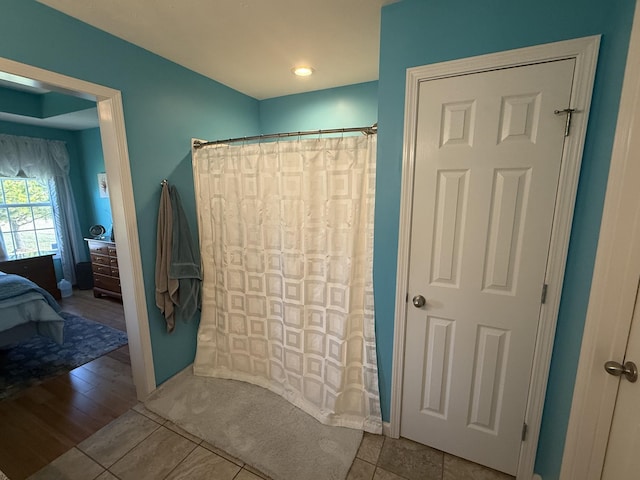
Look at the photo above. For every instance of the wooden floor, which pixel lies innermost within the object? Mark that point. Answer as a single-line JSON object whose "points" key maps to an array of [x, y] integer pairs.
{"points": [[46, 420]]}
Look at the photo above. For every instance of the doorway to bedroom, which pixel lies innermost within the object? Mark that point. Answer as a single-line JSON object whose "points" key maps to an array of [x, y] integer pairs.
{"points": [[64, 410], [56, 232]]}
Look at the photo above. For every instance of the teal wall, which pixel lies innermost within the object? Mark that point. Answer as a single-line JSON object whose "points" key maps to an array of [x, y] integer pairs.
{"points": [[165, 105], [40, 105], [54, 104], [421, 32], [350, 106], [98, 208], [20, 103]]}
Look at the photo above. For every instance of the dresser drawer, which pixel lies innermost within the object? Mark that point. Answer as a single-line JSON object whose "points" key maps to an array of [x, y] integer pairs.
{"points": [[108, 283], [115, 272], [100, 260], [98, 248], [101, 269], [113, 262], [112, 251]]}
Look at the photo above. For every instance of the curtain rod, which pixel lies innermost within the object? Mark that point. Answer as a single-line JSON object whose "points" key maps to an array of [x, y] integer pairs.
{"points": [[371, 130]]}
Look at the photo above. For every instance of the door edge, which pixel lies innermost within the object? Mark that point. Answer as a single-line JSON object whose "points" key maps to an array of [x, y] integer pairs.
{"points": [[613, 288]]}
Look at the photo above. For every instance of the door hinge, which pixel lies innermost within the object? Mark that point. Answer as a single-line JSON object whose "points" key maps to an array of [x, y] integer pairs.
{"points": [[524, 431], [543, 298], [568, 112]]}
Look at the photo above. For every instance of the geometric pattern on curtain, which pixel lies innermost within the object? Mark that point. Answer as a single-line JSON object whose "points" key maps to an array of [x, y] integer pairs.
{"points": [[286, 235], [48, 161]]}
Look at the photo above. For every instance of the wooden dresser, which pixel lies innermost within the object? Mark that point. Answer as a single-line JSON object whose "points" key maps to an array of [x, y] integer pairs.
{"points": [[104, 265], [38, 269]]}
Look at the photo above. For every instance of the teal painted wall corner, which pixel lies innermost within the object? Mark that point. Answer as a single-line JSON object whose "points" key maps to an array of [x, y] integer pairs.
{"points": [[98, 208], [341, 107]]}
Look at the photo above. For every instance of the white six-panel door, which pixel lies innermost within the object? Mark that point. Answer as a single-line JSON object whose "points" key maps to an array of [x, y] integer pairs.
{"points": [[487, 162]]}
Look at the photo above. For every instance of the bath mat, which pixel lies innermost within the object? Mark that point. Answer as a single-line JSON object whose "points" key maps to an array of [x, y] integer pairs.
{"points": [[256, 426]]}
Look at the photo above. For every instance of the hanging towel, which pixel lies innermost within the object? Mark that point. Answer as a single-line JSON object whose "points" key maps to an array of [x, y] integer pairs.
{"points": [[166, 287], [185, 262]]}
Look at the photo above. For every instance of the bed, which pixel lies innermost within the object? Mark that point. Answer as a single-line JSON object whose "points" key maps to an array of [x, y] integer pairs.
{"points": [[27, 310]]}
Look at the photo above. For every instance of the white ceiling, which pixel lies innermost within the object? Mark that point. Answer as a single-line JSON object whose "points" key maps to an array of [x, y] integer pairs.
{"points": [[249, 45]]}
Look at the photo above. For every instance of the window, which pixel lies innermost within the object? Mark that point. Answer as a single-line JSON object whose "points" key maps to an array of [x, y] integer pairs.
{"points": [[26, 217]]}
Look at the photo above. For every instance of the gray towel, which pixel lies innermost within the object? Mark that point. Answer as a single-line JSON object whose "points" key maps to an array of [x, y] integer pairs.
{"points": [[166, 287], [185, 262]]}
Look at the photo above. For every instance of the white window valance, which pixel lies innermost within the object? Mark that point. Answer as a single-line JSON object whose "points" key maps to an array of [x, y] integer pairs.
{"points": [[33, 157]]}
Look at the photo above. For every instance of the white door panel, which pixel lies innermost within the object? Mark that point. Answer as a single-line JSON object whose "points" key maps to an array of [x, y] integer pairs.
{"points": [[487, 163]]}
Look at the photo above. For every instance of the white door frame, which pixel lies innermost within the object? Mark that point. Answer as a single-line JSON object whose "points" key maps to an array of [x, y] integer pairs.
{"points": [[613, 289], [116, 159], [585, 52]]}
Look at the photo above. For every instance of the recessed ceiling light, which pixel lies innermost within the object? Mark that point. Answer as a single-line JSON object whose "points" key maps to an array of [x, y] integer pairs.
{"points": [[302, 71]]}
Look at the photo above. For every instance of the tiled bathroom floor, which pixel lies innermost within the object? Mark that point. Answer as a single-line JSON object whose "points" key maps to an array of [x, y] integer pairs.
{"points": [[140, 445]]}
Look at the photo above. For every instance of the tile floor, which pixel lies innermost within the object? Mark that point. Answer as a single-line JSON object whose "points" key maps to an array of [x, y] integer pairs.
{"points": [[140, 445]]}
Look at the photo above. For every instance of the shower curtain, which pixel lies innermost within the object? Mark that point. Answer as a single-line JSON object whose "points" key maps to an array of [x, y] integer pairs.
{"points": [[286, 237]]}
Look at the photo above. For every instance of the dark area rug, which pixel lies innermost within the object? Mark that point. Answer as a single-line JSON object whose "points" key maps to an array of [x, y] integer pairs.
{"points": [[32, 361]]}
